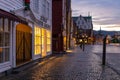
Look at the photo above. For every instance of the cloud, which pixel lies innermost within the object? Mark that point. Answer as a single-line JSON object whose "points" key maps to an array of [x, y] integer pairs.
{"points": [[75, 10], [118, 27], [104, 12], [112, 27]]}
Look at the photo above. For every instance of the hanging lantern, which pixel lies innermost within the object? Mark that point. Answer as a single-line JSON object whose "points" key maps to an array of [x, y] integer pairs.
{"points": [[27, 4]]}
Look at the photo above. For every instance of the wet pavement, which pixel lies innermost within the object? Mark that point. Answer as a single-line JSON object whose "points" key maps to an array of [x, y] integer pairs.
{"points": [[112, 56], [77, 65]]}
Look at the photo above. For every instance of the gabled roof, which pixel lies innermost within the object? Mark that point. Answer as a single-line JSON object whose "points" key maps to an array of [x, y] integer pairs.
{"points": [[75, 19], [87, 17]]}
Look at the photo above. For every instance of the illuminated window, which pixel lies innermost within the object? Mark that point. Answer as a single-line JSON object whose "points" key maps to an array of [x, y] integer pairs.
{"points": [[43, 42], [37, 40], [48, 41]]}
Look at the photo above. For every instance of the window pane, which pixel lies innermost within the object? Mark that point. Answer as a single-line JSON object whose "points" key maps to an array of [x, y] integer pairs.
{"points": [[48, 48], [37, 50], [43, 32], [1, 39], [48, 41], [37, 41], [7, 54], [10, 24], [37, 31], [1, 24], [43, 41], [7, 39], [48, 34], [6, 25], [1, 55]]}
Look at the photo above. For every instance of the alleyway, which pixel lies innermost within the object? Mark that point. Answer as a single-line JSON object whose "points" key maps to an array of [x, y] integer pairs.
{"points": [[77, 65]]}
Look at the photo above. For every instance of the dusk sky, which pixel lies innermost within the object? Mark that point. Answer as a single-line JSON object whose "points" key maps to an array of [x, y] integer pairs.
{"points": [[105, 13]]}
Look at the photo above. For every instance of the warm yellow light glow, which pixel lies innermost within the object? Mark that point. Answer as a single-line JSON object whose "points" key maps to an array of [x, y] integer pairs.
{"points": [[74, 39], [43, 32], [44, 42], [85, 41], [1, 49], [48, 48], [37, 50], [80, 40], [37, 31], [48, 41], [37, 40], [69, 51], [26, 28], [64, 42], [48, 34]]}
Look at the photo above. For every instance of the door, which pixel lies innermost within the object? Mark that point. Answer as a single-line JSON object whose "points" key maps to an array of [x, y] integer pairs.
{"points": [[23, 44]]}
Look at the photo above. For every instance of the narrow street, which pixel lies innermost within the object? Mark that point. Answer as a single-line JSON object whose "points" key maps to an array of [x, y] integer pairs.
{"points": [[77, 65]]}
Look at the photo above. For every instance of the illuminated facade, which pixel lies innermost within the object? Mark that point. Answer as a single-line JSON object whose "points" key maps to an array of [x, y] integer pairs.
{"points": [[84, 27], [25, 31]]}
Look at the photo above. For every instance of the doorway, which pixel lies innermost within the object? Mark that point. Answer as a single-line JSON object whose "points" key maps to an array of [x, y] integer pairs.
{"points": [[23, 44]]}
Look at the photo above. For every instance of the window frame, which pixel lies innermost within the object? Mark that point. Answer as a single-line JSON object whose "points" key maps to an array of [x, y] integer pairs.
{"points": [[37, 30], [5, 49]]}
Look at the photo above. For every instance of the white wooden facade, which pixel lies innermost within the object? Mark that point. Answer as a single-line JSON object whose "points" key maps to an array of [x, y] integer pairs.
{"points": [[38, 17]]}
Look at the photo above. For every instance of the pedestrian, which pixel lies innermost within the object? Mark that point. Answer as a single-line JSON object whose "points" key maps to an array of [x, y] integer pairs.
{"points": [[80, 45]]}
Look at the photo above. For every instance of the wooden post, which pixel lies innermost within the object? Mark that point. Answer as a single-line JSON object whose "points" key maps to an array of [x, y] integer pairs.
{"points": [[104, 52]]}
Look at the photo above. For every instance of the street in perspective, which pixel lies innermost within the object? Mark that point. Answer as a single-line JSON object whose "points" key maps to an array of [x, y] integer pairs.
{"points": [[75, 65], [59, 40]]}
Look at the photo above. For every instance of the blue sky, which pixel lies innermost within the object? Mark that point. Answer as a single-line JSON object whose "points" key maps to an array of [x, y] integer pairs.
{"points": [[105, 13]]}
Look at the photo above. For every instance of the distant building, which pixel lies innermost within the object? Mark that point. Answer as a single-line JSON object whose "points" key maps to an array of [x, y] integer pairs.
{"points": [[85, 26]]}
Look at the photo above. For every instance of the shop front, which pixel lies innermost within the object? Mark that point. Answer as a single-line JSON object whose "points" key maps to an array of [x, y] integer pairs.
{"points": [[37, 42], [23, 44], [46, 42], [7, 21], [5, 46], [42, 42]]}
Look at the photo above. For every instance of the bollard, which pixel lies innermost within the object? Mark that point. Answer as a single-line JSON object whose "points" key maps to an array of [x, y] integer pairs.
{"points": [[104, 52]]}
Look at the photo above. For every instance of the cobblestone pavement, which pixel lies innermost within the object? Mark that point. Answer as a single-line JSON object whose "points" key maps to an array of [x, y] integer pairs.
{"points": [[112, 55], [77, 65]]}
